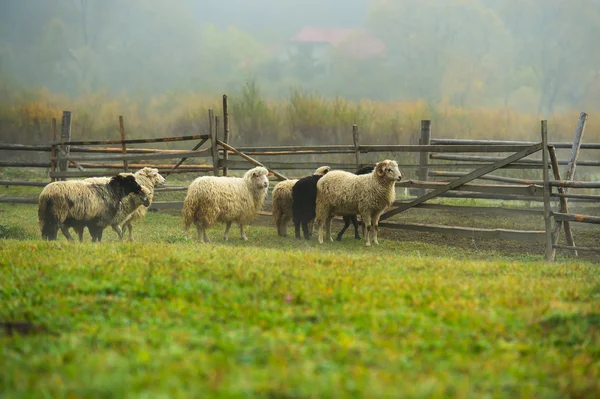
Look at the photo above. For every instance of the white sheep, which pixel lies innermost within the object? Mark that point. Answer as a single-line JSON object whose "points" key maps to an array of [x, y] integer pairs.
{"points": [[146, 177], [68, 203], [344, 193], [213, 199], [282, 201]]}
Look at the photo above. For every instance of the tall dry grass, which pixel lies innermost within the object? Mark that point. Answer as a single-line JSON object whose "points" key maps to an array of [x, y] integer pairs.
{"points": [[301, 118]]}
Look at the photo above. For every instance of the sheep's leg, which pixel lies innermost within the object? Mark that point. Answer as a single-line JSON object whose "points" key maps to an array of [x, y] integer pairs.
{"points": [[328, 227], [79, 231], [366, 218], [206, 239], [343, 230], [376, 225], [297, 229], [243, 232], [227, 227], [201, 232], [129, 227], [118, 230], [311, 227], [65, 231], [305, 230], [355, 224], [282, 227]]}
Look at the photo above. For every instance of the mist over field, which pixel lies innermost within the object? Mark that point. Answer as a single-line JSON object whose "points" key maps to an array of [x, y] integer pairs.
{"points": [[300, 71]]}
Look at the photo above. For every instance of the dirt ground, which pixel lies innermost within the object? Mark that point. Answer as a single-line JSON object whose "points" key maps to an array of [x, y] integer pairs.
{"points": [[585, 235]]}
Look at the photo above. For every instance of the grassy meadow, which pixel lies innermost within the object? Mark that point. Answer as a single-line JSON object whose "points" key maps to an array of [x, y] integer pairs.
{"points": [[418, 316]]}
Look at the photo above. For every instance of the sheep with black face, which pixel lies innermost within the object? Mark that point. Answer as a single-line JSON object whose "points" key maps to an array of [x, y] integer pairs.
{"points": [[68, 203]]}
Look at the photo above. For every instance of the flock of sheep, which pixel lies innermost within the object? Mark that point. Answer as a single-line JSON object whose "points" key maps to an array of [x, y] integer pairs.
{"points": [[99, 202]]}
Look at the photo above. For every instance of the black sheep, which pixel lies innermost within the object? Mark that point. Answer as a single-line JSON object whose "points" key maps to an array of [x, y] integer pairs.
{"points": [[347, 218], [304, 203]]}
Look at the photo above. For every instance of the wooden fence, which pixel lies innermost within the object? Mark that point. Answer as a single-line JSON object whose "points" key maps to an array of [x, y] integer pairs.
{"points": [[78, 159]]}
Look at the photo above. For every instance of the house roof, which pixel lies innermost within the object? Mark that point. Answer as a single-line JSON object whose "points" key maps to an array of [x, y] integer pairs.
{"points": [[357, 42]]}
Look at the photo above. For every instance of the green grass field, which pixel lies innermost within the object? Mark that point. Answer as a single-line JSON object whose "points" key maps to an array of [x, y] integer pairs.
{"points": [[280, 318]]}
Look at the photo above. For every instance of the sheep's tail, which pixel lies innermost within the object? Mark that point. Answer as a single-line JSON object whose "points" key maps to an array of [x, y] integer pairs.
{"points": [[188, 212], [48, 221]]}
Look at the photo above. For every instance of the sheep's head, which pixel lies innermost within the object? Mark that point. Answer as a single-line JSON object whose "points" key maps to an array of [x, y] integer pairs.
{"points": [[322, 171], [143, 198], [388, 170], [126, 184], [152, 175], [258, 177]]}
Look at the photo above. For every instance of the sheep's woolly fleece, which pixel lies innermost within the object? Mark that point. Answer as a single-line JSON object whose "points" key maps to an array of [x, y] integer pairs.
{"points": [[282, 200], [147, 177], [213, 199], [80, 201], [344, 193]]}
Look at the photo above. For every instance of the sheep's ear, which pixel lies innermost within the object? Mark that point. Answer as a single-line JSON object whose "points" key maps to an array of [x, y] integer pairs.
{"points": [[379, 168], [270, 174]]}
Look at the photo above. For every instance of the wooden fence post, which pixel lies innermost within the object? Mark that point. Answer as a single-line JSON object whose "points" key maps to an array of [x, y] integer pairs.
{"points": [[122, 129], [564, 207], [216, 138], [570, 175], [65, 137], [547, 192], [225, 132], [213, 142], [356, 140], [425, 139], [53, 150]]}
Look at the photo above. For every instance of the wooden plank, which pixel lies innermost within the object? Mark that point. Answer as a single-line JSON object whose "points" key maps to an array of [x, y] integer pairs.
{"points": [[465, 179], [572, 163], [564, 207], [501, 234], [241, 165], [477, 158], [65, 137], [25, 147], [171, 188], [166, 167], [139, 141], [356, 142], [94, 173], [576, 196], [481, 209], [53, 148], [424, 139], [249, 159], [119, 150], [213, 143], [166, 205], [591, 146], [17, 200], [225, 131], [131, 157], [123, 145], [388, 148], [573, 217], [182, 160], [577, 248], [547, 192], [24, 183], [531, 190], [486, 196], [554, 183]]}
